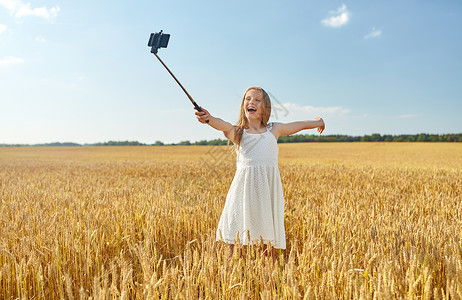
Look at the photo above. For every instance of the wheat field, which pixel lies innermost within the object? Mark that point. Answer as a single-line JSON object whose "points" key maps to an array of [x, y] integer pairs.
{"points": [[363, 221]]}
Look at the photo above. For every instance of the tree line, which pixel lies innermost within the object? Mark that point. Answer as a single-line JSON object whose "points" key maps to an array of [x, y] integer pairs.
{"points": [[298, 138], [422, 137], [309, 138]]}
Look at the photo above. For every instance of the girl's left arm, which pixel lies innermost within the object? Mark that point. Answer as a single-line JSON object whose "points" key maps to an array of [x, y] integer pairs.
{"points": [[280, 129]]}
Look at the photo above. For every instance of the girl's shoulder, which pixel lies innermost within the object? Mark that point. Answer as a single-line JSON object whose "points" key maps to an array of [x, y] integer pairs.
{"points": [[273, 127]]}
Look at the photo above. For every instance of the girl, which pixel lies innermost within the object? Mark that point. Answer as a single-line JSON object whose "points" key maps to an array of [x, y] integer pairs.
{"points": [[254, 207]]}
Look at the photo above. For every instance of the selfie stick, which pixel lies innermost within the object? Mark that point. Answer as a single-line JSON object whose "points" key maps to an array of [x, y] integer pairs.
{"points": [[160, 40]]}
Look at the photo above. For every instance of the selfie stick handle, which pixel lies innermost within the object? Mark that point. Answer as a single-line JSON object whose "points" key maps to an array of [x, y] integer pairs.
{"points": [[197, 107]]}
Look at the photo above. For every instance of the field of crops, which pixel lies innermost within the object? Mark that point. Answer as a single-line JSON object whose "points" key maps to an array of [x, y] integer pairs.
{"points": [[363, 220]]}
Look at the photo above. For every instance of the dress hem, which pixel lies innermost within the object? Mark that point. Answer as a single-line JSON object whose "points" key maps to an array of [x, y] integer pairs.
{"points": [[232, 242]]}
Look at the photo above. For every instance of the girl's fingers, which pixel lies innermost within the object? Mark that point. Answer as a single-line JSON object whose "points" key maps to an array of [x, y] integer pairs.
{"points": [[201, 116]]}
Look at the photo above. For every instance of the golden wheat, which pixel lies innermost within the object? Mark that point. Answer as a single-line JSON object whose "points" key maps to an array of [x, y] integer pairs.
{"points": [[363, 220]]}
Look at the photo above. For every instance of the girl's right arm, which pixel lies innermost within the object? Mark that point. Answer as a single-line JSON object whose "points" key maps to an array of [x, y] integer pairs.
{"points": [[217, 123]]}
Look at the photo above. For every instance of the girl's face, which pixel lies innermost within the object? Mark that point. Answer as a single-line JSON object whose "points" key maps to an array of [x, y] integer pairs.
{"points": [[253, 105]]}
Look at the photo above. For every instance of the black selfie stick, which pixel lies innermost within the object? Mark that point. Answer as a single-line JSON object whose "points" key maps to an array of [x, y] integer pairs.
{"points": [[160, 40]]}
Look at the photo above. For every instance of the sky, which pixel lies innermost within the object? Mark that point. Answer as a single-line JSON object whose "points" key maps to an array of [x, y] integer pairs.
{"points": [[81, 71]]}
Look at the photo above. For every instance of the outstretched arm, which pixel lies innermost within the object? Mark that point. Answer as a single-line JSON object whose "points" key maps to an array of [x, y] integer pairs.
{"points": [[280, 129], [217, 123]]}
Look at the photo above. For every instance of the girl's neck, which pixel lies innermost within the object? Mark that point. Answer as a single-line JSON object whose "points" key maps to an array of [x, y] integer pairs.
{"points": [[255, 126]]}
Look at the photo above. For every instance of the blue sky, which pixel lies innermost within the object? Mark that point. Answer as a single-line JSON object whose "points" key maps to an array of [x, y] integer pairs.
{"points": [[81, 71]]}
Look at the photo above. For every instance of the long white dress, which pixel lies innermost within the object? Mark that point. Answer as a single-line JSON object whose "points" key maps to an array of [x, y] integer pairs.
{"points": [[254, 207]]}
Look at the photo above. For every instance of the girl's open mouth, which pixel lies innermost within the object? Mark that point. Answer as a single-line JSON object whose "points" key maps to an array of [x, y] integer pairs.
{"points": [[251, 110]]}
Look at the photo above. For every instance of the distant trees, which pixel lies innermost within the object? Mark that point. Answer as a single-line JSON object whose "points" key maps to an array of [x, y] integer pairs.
{"points": [[423, 137], [122, 143], [298, 138], [375, 137], [305, 138], [214, 142]]}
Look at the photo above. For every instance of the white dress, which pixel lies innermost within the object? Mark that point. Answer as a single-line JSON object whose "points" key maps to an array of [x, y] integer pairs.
{"points": [[254, 207]]}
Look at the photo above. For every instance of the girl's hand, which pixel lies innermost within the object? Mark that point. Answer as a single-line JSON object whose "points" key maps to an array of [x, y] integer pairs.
{"points": [[321, 127], [203, 116]]}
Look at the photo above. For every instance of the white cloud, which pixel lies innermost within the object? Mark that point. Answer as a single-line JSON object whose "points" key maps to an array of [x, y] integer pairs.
{"points": [[11, 60], [340, 17], [21, 9], [2, 28], [373, 34], [40, 39], [26, 10], [8, 4], [332, 110]]}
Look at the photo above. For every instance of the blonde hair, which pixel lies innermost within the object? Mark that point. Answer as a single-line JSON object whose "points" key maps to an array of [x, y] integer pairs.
{"points": [[243, 122]]}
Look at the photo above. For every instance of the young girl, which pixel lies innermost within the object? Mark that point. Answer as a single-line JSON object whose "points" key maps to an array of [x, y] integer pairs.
{"points": [[254, 207]]}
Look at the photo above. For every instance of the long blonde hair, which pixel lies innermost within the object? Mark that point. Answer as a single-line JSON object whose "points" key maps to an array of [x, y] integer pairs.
{"points": [[243, 122]]}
